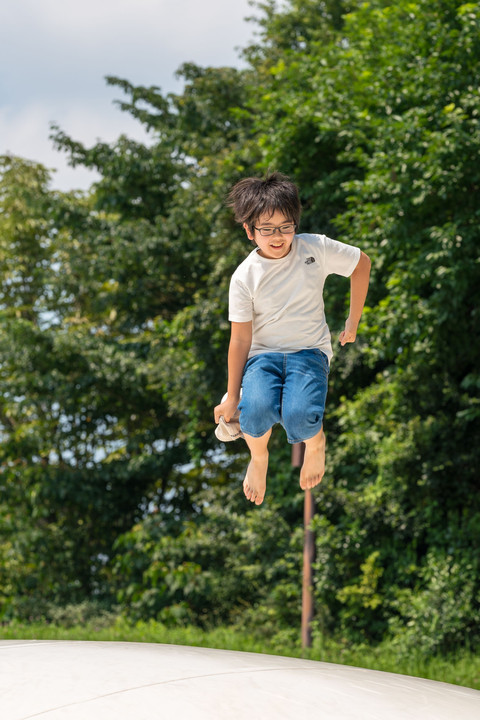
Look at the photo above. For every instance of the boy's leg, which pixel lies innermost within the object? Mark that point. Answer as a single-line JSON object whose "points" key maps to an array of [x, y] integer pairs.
{"points": [[313, 467], [303, 405], [255, 482], [259, 411]]}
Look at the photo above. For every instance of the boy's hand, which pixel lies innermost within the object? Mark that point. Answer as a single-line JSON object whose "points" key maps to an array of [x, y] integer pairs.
{"points": [[349, 335], [227, 409]]}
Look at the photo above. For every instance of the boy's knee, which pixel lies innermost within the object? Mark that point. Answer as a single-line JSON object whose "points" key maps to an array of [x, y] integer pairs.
{"points": [[258, 414], [295, 412], [301, 422]]}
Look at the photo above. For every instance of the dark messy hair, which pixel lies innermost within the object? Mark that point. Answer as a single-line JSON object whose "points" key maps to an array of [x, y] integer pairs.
{"points": [[252, 197]]}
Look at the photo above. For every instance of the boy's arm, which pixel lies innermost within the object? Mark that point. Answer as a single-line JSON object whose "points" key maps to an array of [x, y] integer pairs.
{"points": [[240, 343], [359, 280]]}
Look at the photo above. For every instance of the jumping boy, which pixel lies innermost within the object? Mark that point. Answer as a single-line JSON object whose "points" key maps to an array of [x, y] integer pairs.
{"points": [[280, 347]]}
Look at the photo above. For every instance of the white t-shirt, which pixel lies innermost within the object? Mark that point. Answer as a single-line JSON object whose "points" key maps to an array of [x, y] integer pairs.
{"points": [[284, 298]]}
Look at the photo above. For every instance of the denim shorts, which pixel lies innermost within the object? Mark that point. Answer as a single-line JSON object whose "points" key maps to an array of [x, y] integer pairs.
{"points": [[285, 388]]}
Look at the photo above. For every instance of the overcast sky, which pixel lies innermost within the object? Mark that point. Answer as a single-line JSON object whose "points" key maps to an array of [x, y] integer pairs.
{"points": [[55, 54]]}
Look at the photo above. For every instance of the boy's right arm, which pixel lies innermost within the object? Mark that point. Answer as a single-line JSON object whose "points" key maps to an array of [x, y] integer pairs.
{"points": [[240, 343]]}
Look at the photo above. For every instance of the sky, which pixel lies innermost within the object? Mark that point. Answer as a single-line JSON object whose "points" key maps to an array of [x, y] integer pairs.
{"points": [[55, 54]]}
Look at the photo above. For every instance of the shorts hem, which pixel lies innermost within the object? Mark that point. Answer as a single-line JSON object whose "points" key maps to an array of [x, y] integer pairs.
{"points": [[255, 435], [294, 442]]}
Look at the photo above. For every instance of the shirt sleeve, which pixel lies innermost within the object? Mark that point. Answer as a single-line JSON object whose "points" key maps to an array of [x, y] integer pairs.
{"points": [[240, 304], [340, 258]]}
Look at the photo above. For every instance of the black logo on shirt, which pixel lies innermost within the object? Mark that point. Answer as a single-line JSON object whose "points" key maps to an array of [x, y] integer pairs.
{"points": [[309, 260]]}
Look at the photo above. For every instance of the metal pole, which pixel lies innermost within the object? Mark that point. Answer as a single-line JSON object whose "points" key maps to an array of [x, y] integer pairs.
{"points": [[308, 556], [298, 451]]}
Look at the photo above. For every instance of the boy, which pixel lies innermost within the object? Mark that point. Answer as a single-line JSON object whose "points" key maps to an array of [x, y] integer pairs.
{"points": [[280, 349]]}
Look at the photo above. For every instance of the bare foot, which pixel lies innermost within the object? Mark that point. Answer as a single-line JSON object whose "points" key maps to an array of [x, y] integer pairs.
{"points": [[255, 483], [313, 467]]}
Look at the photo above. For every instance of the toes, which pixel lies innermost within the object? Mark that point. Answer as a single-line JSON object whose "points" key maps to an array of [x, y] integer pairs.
{"points": [[307, 483], [316, 480], [250, 494]]}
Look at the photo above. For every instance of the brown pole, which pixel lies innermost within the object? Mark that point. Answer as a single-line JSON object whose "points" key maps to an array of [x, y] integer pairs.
{"points": [[298, 451], [308, 556]]}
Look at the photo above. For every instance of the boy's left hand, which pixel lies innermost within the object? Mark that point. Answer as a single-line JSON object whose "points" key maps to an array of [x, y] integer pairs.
{"points": [[349, 335]]}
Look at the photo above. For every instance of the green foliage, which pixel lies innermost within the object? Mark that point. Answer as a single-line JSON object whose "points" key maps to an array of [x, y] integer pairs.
{"points": [[226, 563], [85, 441], [444, 612]]}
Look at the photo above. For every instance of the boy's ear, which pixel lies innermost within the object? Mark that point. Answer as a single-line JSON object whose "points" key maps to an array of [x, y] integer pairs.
{"points": [[248, 231]]}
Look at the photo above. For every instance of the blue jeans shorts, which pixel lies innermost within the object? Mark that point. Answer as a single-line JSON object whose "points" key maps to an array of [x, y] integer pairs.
{"points": [[285, 388]]}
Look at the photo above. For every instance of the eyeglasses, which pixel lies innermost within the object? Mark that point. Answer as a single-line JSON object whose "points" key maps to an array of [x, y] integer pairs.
{"points": [[284, 229]]}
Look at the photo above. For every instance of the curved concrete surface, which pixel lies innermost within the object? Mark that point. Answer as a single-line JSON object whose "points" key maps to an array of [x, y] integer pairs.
{"points": [[62, 680]]}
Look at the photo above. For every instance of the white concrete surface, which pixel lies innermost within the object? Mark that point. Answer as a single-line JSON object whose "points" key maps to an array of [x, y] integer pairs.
{"points": [[62, 680]]}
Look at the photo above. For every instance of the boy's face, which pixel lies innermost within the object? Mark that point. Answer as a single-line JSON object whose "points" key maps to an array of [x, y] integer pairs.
{"points": [[278, 244]]}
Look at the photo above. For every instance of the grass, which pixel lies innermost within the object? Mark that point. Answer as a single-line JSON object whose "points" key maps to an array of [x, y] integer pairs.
{"points": [[462, 668]]}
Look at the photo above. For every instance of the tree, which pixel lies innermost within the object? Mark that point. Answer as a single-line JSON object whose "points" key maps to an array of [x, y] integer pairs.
{"points": [[86, 442]]}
